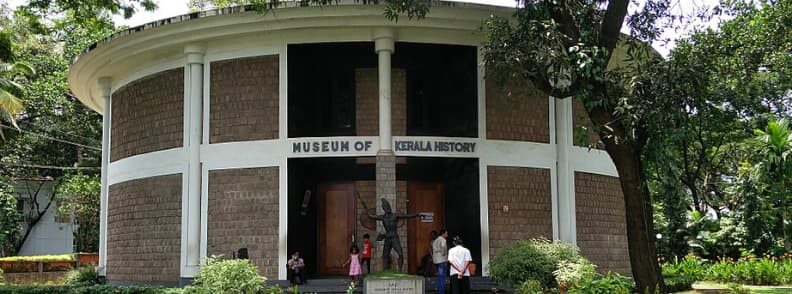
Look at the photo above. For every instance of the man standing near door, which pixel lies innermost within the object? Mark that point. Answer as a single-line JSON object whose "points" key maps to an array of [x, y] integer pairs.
{"points": [[440, 259], [459, 258]]}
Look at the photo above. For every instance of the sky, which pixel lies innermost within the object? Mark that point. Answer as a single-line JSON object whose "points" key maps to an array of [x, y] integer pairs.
{"points": [[170, 8]]}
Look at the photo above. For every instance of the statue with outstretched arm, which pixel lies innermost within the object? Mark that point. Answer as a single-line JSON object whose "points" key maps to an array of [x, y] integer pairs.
{"points": [[390, 222]]}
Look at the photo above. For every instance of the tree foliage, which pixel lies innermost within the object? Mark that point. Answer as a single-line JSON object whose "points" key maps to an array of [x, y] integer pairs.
{"points": [[9, 219], [56, 133], [79, 196], [723, 83]]}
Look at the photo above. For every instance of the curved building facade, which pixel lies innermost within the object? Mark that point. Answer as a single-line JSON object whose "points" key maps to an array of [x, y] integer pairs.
{"points": [[278, 132]]}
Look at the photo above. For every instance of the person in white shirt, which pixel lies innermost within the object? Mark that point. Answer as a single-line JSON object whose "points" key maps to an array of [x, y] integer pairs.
{"points": [[440, 258], [459, 259]]}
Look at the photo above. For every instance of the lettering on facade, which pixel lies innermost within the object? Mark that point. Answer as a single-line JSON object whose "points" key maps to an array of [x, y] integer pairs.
{"points": [[435, 146], [331, 146]]}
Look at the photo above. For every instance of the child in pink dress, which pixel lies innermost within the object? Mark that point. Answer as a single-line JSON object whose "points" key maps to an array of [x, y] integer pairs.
{"points": [[354, 264]]}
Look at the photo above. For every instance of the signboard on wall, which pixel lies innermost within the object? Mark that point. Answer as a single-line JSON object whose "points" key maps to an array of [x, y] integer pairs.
{"points": [[434, 146], [332, 146], [368, 146], [427, 217]]}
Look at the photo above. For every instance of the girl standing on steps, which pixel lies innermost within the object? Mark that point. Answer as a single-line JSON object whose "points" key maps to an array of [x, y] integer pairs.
{"points": [[354, 264]]}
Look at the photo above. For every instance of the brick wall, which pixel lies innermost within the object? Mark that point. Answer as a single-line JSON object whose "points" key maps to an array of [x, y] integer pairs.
{"points": [[148, 115], [584, 134], [527, 193], [243, 213], [601, 224], [144, 230], [367, 102], [244, 99], [517, 111]]}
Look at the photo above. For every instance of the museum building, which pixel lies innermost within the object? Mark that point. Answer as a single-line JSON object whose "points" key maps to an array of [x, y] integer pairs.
{"points": [[274, 132]]}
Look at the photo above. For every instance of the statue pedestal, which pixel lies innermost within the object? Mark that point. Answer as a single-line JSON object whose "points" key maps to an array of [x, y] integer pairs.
{"points": [[394, 285]]}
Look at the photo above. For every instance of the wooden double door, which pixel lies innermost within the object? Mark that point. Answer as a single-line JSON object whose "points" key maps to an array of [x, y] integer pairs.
{"points": [[337, 215]]}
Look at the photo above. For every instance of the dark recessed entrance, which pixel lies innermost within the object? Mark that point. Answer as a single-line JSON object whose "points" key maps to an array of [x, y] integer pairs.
{"points": [[326, 216]]}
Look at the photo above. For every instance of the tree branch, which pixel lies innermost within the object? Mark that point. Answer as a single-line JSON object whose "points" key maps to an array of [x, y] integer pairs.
{"points": [[611, 25], [566, 23]]}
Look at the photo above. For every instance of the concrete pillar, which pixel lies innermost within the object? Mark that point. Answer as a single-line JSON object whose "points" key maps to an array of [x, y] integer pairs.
{"points": [[384, 45], [105, 84], [386, 160], [191, 204], [567, 229]]}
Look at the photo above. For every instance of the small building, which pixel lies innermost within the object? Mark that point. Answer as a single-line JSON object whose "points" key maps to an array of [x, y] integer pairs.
{"points": [[229, 128], [54, 232]]}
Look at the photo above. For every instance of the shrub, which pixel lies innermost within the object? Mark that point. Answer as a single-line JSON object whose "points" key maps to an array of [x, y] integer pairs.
{"points": [[569, 274], [275, 289], [752, 271], [534, 259], [2, 280], [530, 287], [40, 258], [94, 289], [82, 276], [611, 283], [680, 275], [228, 276]]}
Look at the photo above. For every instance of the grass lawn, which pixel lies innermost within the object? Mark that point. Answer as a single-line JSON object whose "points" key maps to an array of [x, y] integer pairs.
{"points": [[712, 287]]}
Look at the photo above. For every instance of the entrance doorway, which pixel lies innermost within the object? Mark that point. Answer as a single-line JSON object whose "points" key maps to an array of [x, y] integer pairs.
{"points": [[427, 198], [335, 226]]}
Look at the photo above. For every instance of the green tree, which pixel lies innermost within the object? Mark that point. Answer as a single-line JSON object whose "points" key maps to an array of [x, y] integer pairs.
{"points": [[9, 219], [775, 167], [724, 83], [57, 134], [10, 73], [79, 196]]}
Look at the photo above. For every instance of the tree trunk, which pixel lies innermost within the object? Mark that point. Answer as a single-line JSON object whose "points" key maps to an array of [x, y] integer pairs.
{"points": [[638, 206]]}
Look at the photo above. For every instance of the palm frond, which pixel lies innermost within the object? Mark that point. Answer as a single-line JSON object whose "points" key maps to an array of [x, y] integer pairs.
{"points": [[22, 68], [9, 104]]}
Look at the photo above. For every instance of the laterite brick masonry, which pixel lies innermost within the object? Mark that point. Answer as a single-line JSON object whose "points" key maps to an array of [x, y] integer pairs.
{"points": [[144, 230], [527, 193], [517, 111], [244, 99], [367, 102], [243, 213], [148, 115], [600, 219]]}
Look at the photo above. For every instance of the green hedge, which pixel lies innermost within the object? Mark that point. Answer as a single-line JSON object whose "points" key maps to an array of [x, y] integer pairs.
{"points": [[94, 289], [681, 274], [40, 258], [752, 271], [107, 289]]}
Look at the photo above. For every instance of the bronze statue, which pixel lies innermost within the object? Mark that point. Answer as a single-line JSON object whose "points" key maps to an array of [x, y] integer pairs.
{"points": [[390, 221]]}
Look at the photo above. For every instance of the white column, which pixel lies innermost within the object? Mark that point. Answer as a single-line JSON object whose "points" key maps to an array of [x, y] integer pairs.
{"points": [[567, 229], [283, 170], [384, 45], [105, 84], [191, 210], [483, 185]]}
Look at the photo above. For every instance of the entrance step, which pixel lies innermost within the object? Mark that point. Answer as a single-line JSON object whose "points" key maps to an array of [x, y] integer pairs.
{"points": [[340, 285]]}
